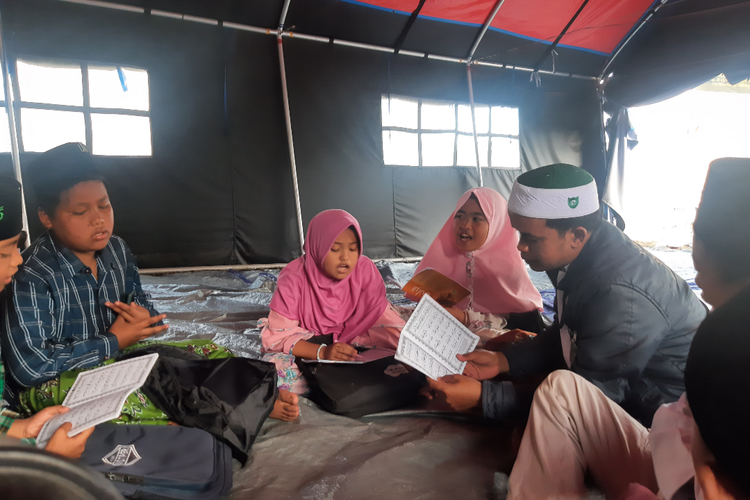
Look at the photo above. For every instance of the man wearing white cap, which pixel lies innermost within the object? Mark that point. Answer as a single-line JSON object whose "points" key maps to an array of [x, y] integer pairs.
{"points": [[624, 320]]}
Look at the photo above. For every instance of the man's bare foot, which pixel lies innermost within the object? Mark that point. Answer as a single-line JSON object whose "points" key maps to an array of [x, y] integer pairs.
{"points": [[286, 406]]}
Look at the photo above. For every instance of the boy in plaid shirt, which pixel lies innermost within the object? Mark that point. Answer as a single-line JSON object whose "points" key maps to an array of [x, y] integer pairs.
{"points": [[10, 258], [67, 308]]}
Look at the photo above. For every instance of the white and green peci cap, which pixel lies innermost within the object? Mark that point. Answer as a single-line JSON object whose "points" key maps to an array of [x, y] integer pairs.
{"points": [[558, 191]]}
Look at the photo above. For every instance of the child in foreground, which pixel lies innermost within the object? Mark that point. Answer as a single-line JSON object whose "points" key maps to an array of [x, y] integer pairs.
{"points": [[69, 305], [10, 258], [331, 289]]}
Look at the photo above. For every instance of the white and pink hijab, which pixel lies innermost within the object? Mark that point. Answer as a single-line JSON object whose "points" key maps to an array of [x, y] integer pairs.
{"points": [[501, 283]]}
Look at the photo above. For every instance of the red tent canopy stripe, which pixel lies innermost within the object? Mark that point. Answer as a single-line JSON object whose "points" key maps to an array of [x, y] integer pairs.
{"points": [[600, 27]]}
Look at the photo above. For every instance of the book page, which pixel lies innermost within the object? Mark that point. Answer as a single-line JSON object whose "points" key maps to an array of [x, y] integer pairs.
{"points": [[98, 395], [85, 415], [431, 340], [417, 357], [123, 375]]}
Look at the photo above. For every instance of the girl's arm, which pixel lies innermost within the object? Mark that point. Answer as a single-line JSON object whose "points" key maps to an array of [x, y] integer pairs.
{"points": [[385, 332], [307, 350], [281, 334], [337, 351]]}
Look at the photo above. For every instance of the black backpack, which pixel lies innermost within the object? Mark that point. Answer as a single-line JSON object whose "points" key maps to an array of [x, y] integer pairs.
{"points": [[230, 397], [362, 389], [160, 462]]}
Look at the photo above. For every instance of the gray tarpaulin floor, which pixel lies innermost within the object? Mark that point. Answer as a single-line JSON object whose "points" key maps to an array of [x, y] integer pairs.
{"points": [[401, 455]]}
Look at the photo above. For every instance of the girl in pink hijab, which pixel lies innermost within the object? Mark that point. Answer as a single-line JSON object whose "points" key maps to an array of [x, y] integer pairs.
{"points": [[332, 289], [477, 248]]}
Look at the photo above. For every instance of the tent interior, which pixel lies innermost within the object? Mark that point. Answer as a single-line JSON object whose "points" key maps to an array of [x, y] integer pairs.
{"points": [[224, 176], [215, 184]]}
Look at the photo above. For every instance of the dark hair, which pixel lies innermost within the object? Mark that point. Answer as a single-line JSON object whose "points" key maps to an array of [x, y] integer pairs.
{"points": [[590, 222], [721, 219], [57, 171], [729, 258], [356, 237], [48, 198]]}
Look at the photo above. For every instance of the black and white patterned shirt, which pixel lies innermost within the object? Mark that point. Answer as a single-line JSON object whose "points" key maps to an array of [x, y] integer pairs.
{"points": [[55, 317]]}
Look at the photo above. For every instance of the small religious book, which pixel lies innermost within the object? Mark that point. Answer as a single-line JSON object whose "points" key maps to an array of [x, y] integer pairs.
{"points": [[98, 396], [441, 288], [431, 340]]}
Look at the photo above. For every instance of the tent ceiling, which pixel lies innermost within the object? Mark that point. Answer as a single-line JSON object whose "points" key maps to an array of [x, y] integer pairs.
{"points": [[519, 35], [600, 27]]}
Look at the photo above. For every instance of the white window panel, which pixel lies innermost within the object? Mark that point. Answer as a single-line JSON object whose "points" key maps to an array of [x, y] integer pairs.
{"points": [[401, 113], [504, 120], [108, 90], [506, 153], [4, 132], [466, 156], [481, 114], [444, 133], [44, 129], [438, 117], [120, 135], [400, 148], [437, 149], [50, 83]]}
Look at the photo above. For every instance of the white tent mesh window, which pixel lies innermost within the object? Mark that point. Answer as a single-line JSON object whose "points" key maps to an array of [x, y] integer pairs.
{"points": [[105, 107], [423, 133]]}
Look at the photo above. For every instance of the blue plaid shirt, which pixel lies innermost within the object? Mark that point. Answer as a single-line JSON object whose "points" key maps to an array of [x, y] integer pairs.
{"points": [[55, 317]]}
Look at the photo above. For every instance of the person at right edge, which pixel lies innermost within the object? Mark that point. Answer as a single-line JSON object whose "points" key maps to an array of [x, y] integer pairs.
{"points": [[624, 320]]}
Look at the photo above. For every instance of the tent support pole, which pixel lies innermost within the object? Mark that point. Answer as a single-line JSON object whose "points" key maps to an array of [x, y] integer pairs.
{"points": [[630, 37], [288, 119], [9, 107], [284, 12], [549, 50], [407, 27], [484, 29], [474, 125]]}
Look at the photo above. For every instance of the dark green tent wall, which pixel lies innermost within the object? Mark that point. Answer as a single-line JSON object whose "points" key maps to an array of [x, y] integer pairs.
{"points": [[218, 188]]}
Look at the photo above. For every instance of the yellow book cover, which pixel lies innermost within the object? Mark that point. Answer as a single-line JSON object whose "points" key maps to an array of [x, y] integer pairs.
{"points": [[441, 288]]}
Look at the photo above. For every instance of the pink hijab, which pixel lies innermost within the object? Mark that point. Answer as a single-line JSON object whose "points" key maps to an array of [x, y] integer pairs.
{"points": [[304, 292], [501, 282]]}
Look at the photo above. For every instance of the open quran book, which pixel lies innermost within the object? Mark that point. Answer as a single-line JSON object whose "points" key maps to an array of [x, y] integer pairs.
{"points": [[97, 396], [431, 340]]}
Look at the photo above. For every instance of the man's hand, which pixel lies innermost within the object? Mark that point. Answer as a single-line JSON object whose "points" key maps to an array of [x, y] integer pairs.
{"points": [[71, 447], [339, 351], [27, 428], [133, 323], [461, 392], [484, 365]]}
